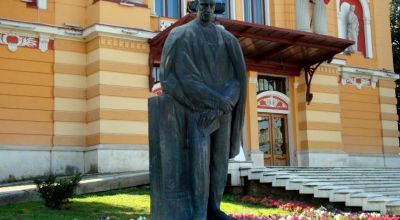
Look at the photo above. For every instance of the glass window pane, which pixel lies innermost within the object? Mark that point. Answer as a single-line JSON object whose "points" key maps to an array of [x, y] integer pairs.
{"points": [[247, 10], [173, 8], [156, 74], [279, 136], [258, 10], [263, 135], [226, 14], [159, 7], [269, 83]]}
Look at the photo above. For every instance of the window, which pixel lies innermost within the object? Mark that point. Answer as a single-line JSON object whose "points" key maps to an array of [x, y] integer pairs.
{"points": [[269, 83], [227, 13], [256, 11], [168, 8], [156, 74]]}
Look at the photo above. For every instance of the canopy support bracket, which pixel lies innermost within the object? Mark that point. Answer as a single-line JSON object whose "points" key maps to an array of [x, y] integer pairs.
{"points": [[309, 73]]}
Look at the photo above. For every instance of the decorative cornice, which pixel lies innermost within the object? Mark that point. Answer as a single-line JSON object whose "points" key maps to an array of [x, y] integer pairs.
{"points": [[85, 34], [14, 40], [112, 42], [385, 74]]}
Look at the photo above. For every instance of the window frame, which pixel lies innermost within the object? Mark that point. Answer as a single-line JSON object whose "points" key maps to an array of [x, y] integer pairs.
{"points": [[165, 9], [265, 12], [230, 8]]}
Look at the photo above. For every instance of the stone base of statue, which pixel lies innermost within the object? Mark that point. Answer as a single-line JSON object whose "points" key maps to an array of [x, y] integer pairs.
{"points": [[169, 165]]}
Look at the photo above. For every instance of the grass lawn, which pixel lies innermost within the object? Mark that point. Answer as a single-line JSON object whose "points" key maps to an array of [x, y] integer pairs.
{"points": [[118, 204]]}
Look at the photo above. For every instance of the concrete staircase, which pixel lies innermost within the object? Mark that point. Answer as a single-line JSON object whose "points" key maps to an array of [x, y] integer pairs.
{"points": [[373, 189]]}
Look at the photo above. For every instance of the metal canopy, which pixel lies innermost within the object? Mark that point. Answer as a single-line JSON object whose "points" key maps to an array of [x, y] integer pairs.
{"points": [[269, 49]]}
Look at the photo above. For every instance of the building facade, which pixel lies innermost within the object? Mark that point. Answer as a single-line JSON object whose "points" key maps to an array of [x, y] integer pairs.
{"points": [[75, 76]]}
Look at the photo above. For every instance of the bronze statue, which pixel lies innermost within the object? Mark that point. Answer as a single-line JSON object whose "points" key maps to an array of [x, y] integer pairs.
{"points": [[195, 126]]}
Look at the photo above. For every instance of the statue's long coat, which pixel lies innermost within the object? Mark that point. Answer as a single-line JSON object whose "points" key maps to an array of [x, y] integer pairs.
{"points": [[194, 71], [189, 90]]}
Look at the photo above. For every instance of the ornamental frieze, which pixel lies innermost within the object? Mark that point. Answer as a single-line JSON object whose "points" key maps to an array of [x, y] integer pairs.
{"points": [[14, 40], [273, 102], [359, 81], [136, 46]]}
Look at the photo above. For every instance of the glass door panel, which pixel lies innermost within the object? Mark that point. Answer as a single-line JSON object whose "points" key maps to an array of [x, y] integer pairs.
{"points": [[264, 138], [279, 130], [272, 137]]}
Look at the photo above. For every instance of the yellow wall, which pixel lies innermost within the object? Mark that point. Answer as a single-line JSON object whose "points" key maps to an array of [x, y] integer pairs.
{"points": [[26, 96], [360, 115], [105, 12], [69, 93], [117, 91], [70, 11], [319, 122], [17, 10], [382, 39]]}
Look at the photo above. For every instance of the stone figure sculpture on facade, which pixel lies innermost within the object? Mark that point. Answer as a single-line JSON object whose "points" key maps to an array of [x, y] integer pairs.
{"points": [[352, 29], [195, 126]]}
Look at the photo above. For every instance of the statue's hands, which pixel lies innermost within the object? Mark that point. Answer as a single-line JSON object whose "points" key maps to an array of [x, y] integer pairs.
{"points": [[226, 105], [207, 117], [230, 96]]}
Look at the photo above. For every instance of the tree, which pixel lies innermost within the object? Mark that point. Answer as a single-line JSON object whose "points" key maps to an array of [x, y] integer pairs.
{"points": [[395, 27]]}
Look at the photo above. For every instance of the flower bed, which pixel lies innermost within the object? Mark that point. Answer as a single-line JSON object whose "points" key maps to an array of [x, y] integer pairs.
{"points": [[302, 211]]}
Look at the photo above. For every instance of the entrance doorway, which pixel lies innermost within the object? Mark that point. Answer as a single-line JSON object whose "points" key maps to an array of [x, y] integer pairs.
{"points": [[273, 138]]}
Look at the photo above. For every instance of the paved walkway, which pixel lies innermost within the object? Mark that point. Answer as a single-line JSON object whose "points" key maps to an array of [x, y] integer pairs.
{"points": [[26, 191]]}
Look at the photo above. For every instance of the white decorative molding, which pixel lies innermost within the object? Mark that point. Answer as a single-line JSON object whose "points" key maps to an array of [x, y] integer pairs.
{"points": [[374, 75], [85, 34], [14, 40], [338, 62], [164, 24], [156, 89], [42, 4], [273, 102], [253, 80], [359, 82], [44, 42]]}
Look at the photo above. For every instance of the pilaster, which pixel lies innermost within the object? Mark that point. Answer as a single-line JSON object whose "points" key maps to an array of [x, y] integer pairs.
{"points": [[256, 156], [302, 16], [320, 24]]}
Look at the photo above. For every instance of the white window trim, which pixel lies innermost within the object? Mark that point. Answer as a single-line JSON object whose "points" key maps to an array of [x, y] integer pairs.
{"points": [[267, 19], [183, 7], [232, 9], [367, 25], [266, 13]]}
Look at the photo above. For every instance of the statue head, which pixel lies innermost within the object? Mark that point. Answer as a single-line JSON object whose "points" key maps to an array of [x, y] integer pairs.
{"points": [[205, 10], [353, 8]]}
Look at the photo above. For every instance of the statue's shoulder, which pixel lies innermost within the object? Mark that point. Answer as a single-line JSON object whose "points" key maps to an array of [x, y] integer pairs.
{"points": [[226, 34], [176, 32], [180, 30]]}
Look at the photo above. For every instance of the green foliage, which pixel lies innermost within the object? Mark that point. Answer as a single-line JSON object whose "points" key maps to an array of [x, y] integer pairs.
{"points": [[117, 204], [56, 193], [395, 27]]}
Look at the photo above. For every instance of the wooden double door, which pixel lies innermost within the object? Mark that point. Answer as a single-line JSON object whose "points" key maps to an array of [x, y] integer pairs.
{"points": [[273, 139]]}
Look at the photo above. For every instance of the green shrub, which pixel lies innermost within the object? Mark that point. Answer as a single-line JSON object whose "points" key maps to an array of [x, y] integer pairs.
{"points": [[56, 192]]}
